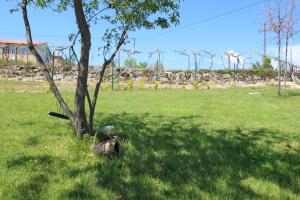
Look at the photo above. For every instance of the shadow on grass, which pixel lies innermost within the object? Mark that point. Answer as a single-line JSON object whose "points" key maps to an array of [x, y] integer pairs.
{"points": [[39, 169], [293, 93], [177, 158]]}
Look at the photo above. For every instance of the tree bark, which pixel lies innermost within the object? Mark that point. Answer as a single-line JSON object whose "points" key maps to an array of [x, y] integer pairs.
{"points": [[286, 62], [279, 63], [78, 118], [80, 121]]}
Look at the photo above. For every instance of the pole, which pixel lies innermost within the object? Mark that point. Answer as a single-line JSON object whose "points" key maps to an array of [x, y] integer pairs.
{"points": [[265, 39], [196, 67], [279, 64], [119, 59], [129, 59], [53, 60], [27, 52], [229, 64], [157, 70], [159, 65], [134, 44], [234, 72], [70, 52], [133, 52], [112, 76], [286, 63], [291, 55]]}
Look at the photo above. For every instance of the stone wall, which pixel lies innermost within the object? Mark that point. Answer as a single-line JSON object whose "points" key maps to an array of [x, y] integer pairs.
{"points": [[33, 73]]}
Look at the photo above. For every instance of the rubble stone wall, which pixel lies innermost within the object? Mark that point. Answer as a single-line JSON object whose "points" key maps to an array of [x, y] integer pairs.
{"points": [[33, 73]]}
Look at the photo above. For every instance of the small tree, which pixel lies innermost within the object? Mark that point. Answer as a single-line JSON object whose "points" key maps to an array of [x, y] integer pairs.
{"points": [[266, 62], [130, 62], [142, 65], [123, 17], [280, 21], [289, 33]]}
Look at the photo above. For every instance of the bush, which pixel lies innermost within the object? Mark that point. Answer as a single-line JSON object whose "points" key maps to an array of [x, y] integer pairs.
{"points": [[232, 86], [195, 85], [266, 73], [141, 84], [130, 84], [156, 85], [12, 62], [208, 85], [265, 65], [105, 86]]}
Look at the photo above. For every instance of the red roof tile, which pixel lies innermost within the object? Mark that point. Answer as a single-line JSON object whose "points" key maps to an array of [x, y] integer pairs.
{"points": [[19, 42]]}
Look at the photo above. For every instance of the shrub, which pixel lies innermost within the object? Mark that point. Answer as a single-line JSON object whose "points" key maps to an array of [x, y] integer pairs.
{"points": [[12, 62], [232, 85], [105, 86], [156, 85], [208, 85], [168, 87], [141, 84], [48, 88], [195, 85], [130, 84], [266, 72]]}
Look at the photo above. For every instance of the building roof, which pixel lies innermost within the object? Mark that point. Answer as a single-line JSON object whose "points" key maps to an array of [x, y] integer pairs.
{"points": [[20, 42]]}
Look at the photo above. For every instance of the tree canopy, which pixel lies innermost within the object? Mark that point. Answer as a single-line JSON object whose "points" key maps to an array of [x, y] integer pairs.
{"points": [[130, 14], [122, 17]]}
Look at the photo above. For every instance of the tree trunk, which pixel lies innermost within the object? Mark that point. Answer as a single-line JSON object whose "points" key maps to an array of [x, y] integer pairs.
{"points": [[286, 63], [279, 64], [80, 121], [98, 85]]}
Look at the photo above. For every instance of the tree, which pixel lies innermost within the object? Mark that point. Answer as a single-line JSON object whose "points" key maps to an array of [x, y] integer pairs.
{"points": [[277, 15], [130, 62], [266, 62], [142, 65], [289, 33], [123, 16]]}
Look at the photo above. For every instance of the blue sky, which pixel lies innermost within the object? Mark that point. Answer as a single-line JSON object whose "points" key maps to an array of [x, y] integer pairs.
{"points": [[238, 31]]}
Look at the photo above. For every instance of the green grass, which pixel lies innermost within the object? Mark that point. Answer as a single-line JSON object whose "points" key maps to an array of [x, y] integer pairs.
{"points": [[176, 144], [12, 62]]}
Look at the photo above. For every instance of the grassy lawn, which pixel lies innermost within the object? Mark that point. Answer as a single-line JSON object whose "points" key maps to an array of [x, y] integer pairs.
{"points": [[176, 144]]}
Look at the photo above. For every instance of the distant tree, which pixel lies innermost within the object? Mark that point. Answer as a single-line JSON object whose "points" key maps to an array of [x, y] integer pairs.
{"points": [[289, 33], [266, 63], [256, 65], [142, 65], [277, 13], [121, 17], [130, 63]]}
